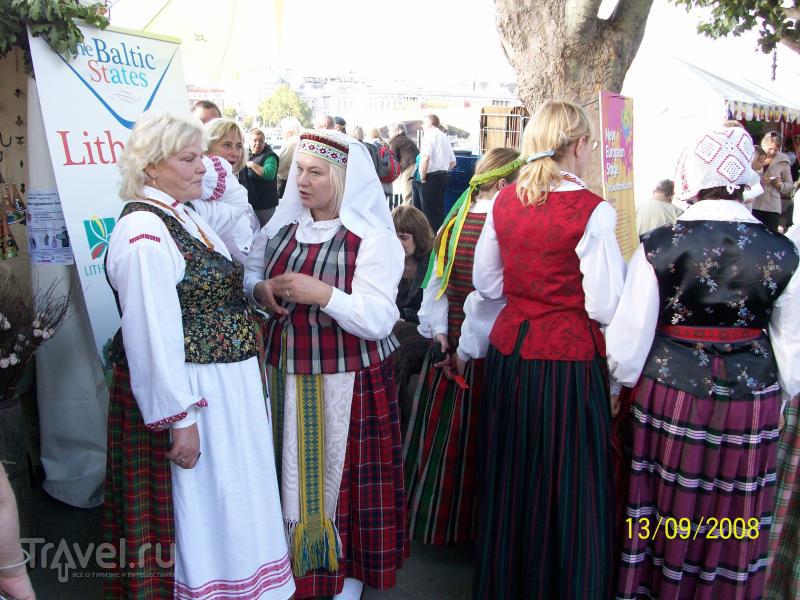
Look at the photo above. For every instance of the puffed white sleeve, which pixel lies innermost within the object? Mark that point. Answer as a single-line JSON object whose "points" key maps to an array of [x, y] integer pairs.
{"points": [[370, 311], [224, 199], [255, 263], [784, 335], [144, 266], [432, 313], [601, 264], [630, 334], [484, 304]]}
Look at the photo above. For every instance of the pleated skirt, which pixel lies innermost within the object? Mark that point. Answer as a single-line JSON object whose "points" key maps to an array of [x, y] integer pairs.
{"points": [[701, 492], [439, 453], [545, 506], [370, 515]]}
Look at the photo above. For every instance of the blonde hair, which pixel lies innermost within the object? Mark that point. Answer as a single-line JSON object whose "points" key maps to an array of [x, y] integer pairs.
{"points": [[493, 159], [357, 132], [555, 126], [218, 129], [338, 175], [154, 139]]}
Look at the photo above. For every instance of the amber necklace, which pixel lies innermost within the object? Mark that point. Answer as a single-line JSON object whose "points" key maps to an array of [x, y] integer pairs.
{"points": [[207, 241]]}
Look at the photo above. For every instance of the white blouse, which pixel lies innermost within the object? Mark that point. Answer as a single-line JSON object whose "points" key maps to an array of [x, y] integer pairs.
{"points": [[433, 313], [601, 265], [369, 312], [144, 266], [632, 330]]}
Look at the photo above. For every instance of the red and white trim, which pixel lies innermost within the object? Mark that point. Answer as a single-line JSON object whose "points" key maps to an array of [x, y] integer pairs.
{"points": [[144, 236], [269, 576], [221, 175], [165, 423]]}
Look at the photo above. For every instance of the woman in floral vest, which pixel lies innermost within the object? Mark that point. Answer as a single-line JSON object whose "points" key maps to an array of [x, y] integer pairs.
{"points": [[706, 334]]}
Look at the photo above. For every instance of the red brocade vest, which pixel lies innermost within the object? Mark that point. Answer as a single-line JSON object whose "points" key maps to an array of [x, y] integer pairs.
{"points": [[315, 343], [542, 278]]}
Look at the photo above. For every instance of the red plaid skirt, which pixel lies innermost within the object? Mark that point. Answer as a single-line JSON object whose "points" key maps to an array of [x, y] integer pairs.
{"points": [[138, 500], [371, 512]]}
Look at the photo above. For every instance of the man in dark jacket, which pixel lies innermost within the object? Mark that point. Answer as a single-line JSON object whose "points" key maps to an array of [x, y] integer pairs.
{"points": [[260, 177], [405, 151]]}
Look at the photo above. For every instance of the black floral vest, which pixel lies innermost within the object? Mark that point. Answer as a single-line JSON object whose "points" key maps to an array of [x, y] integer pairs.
{"points": [[217, 326], [717, 274]]}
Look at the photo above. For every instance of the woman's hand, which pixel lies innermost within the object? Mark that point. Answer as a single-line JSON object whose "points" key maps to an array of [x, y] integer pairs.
{"points": [[185, 449], [264, 293], [614, 404], [459, 364], [18, 585], [301, 289]]}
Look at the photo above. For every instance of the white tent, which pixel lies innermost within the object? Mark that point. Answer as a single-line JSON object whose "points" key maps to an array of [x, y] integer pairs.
{"points": [[674, 100]]}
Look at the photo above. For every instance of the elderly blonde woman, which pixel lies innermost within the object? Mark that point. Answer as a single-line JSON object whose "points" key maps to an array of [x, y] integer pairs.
{"points": [[188, 463], [327, 267]]}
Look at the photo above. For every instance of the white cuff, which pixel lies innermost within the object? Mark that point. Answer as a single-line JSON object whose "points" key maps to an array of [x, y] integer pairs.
{"points": [[463, 355], [339, 305], [187, 421]]}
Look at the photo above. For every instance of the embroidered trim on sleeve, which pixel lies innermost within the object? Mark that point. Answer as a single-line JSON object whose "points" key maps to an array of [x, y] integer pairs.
{"points": [[221, 175], [164, 423], [144, 236]]}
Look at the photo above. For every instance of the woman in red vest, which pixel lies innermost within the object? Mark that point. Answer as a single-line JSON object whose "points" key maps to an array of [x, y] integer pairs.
{"points": [[549, 252], [327, 267]]}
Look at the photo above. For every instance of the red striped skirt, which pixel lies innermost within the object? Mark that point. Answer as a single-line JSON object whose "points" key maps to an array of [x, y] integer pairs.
{"points": [[371, 511], [138, 499]]}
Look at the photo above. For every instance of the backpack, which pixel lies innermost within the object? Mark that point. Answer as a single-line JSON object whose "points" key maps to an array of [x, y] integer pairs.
{"points": [[388, 167]]}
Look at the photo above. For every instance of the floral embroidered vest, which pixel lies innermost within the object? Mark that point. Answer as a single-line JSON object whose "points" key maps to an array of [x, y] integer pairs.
{"points": [[542, 278], [717, 274], [308, 339], [217, 326]]}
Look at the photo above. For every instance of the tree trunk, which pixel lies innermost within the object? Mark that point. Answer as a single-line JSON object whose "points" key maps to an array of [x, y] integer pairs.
{"points": [[561, 50]]}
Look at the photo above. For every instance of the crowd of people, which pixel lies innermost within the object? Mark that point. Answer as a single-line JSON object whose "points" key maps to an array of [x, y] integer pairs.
{"points": [[305, 381]]}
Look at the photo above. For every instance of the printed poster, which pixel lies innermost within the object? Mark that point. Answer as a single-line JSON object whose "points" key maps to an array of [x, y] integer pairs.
{"points": [[48, 238], [89, 106], [616, 139]]}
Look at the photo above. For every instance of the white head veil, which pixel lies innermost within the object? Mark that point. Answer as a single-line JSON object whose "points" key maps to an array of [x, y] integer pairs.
{"points": [[364, 206]]}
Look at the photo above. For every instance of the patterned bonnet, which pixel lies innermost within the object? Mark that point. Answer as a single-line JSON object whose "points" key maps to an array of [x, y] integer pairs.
{"points": [[720, 158]]}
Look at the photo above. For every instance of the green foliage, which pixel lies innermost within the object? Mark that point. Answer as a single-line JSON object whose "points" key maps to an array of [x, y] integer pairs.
{"points": [[774, 22], [52, 19], [229, 112], [284, 103], [247, 122]]}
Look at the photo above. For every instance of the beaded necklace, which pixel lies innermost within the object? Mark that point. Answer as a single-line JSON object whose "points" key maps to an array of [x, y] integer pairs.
{"points": [[207, 241]]}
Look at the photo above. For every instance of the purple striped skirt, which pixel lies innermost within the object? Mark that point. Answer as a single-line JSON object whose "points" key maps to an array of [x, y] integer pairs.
{"points": [[700, 499]]}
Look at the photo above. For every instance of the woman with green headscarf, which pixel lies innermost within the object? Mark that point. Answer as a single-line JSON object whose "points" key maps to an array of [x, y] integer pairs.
{"points": [[439, 449]]}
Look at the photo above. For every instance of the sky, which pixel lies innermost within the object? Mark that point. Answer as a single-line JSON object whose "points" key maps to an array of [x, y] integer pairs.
{"points": [[436, 41]]}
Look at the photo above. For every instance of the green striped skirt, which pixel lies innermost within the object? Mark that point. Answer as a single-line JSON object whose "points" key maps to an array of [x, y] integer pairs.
{"points": [[545, 508]]}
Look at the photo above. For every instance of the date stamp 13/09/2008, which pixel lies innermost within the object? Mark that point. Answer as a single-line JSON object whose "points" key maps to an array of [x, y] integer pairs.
{"points": [[711, 528]]}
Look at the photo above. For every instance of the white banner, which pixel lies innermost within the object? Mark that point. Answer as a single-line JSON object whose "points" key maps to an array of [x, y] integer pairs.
{"points": [[89, 105]]}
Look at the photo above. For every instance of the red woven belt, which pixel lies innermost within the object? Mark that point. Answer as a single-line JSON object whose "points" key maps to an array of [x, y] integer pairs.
{"points": [[711, 334]]}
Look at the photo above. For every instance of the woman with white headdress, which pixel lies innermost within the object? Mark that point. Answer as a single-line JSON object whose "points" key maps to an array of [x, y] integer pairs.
{"points": [[706, 334], [327, 267]]}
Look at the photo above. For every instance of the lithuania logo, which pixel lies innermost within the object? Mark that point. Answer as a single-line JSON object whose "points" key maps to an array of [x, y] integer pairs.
{"points": [[98, 232]]}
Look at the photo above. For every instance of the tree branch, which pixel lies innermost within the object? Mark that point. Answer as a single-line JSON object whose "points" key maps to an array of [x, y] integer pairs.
{"points": [[580, 15], [630, 14]]}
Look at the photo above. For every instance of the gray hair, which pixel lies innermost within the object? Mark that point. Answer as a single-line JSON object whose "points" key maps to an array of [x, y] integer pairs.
{"points": [[398, 127], [154, 139], [290, 125], [666, 187]]}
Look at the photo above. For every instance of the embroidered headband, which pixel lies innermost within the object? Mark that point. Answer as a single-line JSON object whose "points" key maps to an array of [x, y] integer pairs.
{"points": [[454, 223], [324, 147], [539, 155]]}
